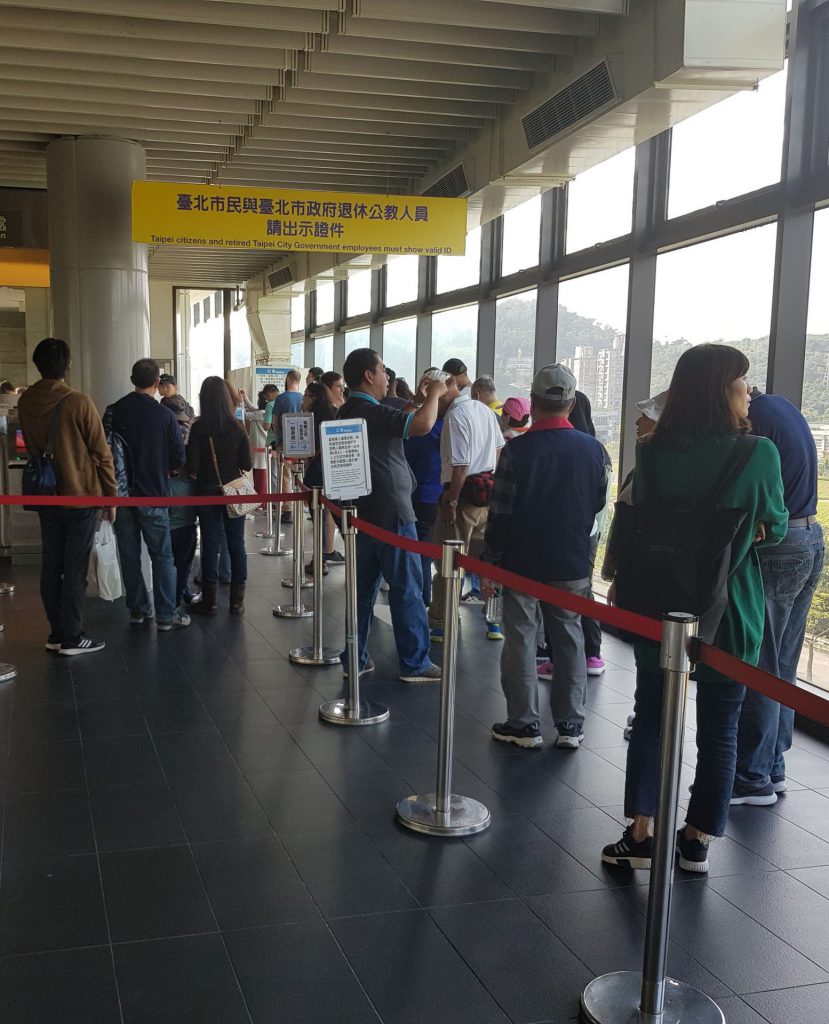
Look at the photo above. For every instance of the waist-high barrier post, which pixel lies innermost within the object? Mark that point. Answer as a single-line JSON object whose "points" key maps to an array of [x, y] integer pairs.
{"points": [[353, 710], [6, 588], [296, 610], [274, 520], [7, 671], [316, 654], [297, 473], [444, 813], [267, 533], [628, 997]]}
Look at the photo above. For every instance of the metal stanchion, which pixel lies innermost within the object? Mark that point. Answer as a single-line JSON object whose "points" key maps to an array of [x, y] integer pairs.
{"points": [[352, 710], [649, 997], [316, 654], [299, 548], [444, 813], [6, 588], [275, 519], [267, 533], [297, 610]]}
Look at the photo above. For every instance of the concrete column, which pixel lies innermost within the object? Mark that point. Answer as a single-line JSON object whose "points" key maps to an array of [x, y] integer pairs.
{"points": [[98, 274]]}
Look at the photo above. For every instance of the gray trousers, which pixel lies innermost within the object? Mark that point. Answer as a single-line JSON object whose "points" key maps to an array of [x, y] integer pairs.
{"points": [[519, 680]]}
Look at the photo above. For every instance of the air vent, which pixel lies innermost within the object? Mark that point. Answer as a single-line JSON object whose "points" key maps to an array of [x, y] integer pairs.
{"points": [[284, 275], [453, 185], [581, 98]]}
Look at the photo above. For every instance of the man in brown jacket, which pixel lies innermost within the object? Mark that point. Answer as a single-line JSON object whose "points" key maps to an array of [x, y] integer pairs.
{"points": [[83, 465]]}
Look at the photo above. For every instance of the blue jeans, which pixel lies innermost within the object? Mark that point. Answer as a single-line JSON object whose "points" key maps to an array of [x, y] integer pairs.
{"points": [[153, 524], [216, 527], [403, 573], [718, 711], [426, 513], [791, 572]]}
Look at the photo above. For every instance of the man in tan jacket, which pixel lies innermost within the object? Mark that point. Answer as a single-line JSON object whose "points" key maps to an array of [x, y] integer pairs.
{"points": [[83, 466]]}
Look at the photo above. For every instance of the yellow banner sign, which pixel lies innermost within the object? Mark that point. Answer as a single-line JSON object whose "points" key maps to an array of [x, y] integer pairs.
{"points": [[290, 220]]}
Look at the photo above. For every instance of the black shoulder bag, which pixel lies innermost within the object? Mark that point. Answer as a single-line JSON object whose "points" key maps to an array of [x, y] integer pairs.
{"points": [[39, 472]]}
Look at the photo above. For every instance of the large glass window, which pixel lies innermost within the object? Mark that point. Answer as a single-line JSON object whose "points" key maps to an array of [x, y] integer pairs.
{"points": [[455, 335], [515, 343], [814, 663], [298, 353], [357, 339], [399, 347], [240, 343], [717, 291], [325, 303], [728, 149], [324, 352], [600, 202], [401, 280], [297, 313], [521, 237], [461, 271], [358, 294]]}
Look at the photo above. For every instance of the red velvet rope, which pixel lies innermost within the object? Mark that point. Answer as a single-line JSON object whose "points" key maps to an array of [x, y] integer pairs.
{"points": [[98, 501]]}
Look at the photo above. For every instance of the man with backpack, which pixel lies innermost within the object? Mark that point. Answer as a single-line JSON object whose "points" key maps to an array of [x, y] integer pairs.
{"points": [[64, 423], [147, 437]]}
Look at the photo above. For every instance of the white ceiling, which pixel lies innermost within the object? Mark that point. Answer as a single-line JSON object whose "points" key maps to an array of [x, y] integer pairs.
{"points": [[358, 95]]}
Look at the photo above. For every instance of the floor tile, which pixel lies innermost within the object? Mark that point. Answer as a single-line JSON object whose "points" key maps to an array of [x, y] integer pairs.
{"points": [[530, 973], [252, 882], [152, 894], [134, 817], [775, 839], [51, 904], [75, 986], [805, 1005], [177, 712], [179, 981], [187, 754], [298, 801], [267, 748], [807, 809], [816, 878], [226, 809], [737, 1011], [300, 969], [38, 826], [121, 761], [373, 947], [44, 723], [111, 718]]}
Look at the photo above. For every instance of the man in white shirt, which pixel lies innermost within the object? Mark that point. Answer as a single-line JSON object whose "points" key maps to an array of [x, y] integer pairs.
{"points": [[469, 446]]}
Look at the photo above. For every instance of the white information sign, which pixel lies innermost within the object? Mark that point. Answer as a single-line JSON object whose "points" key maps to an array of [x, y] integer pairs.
{"points": [[298, 435], [271, 375], [346, 471]]}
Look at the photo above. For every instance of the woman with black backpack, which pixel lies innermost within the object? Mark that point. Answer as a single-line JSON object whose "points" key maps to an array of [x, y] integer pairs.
{"points": [[708, 494], [217, 454]]}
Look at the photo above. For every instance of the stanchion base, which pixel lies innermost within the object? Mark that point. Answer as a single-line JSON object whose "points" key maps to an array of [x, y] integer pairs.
{"points": [[7, 671], [338, 712], [6, 588], [265, 535], [614, 999], [306, 583], [465, 817], [287, 611], [305, 656], [272, 551]]}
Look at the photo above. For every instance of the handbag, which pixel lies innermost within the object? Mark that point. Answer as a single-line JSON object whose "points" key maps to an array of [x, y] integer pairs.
{"points": [[477, 488], [39, 472], [104, 574], [241, 487]]}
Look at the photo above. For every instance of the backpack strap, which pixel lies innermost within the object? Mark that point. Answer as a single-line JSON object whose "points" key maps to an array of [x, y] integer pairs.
{"points": [[51, 436], [734, 465]]}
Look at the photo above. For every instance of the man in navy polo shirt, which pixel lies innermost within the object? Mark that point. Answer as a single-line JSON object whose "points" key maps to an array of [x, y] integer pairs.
{"points": [[791, 572], [390, 506], [549, 485]]}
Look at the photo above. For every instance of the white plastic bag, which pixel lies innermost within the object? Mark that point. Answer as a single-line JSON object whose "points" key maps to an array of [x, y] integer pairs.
{"points": [[104, 572]]}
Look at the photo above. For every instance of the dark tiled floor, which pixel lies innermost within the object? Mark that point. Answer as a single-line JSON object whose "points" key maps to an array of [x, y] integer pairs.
{"points": [[184, 841]]}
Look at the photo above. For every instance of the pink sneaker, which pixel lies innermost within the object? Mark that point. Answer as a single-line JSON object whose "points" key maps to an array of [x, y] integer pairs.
{"points": [[545, 670], [595, 666]]}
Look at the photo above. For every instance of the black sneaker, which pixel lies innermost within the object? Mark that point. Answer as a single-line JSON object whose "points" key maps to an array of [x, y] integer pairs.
{"points": [[528, 736], [627, 853], [430, 674], [693, 853], [368, 667], [569, 736], [84, 645], [334, 557], [54, 643], [765, 796]]}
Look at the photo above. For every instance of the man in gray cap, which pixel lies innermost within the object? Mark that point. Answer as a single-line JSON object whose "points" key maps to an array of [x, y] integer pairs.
{"points": [[549, 485]]}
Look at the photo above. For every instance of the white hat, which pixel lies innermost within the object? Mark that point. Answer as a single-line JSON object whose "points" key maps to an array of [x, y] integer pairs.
{"points": [[653, 407]]}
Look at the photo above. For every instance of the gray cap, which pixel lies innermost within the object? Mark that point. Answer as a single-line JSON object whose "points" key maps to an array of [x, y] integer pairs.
{"points": [[555, 382], [653, 407]]}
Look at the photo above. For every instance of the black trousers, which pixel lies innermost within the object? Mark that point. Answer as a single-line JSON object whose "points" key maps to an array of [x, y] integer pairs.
{"points": [[183, 539], [67, 535]]}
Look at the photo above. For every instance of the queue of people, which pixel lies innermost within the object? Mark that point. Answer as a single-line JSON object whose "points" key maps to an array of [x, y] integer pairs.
{"points": [[526, 486]]}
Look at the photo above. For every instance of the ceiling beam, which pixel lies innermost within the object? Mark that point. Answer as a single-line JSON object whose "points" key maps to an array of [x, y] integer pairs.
{"points": [[44, 96], [415, 71], [437, 53], [278, 136], [168, 134], [398, 87], [425, 32], [617, 7], [371, 101], [474, 14], [356, 112]]}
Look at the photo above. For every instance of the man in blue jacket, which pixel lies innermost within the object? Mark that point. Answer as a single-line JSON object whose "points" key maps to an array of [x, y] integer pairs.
{"points": [[549, 485]]}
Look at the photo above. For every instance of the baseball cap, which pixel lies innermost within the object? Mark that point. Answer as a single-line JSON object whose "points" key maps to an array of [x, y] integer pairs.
{"points": [[167, 378], [517, 408], [454, 367], [653, 407], [555, 382]]}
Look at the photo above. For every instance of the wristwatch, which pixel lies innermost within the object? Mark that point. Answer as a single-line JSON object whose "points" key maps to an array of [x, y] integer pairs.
{"points": [[452, 503]]}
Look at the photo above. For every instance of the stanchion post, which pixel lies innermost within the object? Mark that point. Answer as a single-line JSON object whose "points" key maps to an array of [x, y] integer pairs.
{"points": [[444, 813], [353, 710], [628, 997], [299, 537], [267, 533], [296, 610], [6, 588], [275, 547], [316, 654]]}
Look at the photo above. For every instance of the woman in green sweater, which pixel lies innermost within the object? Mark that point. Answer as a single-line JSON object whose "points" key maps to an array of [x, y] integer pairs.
{"points": [[705, 413]]}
